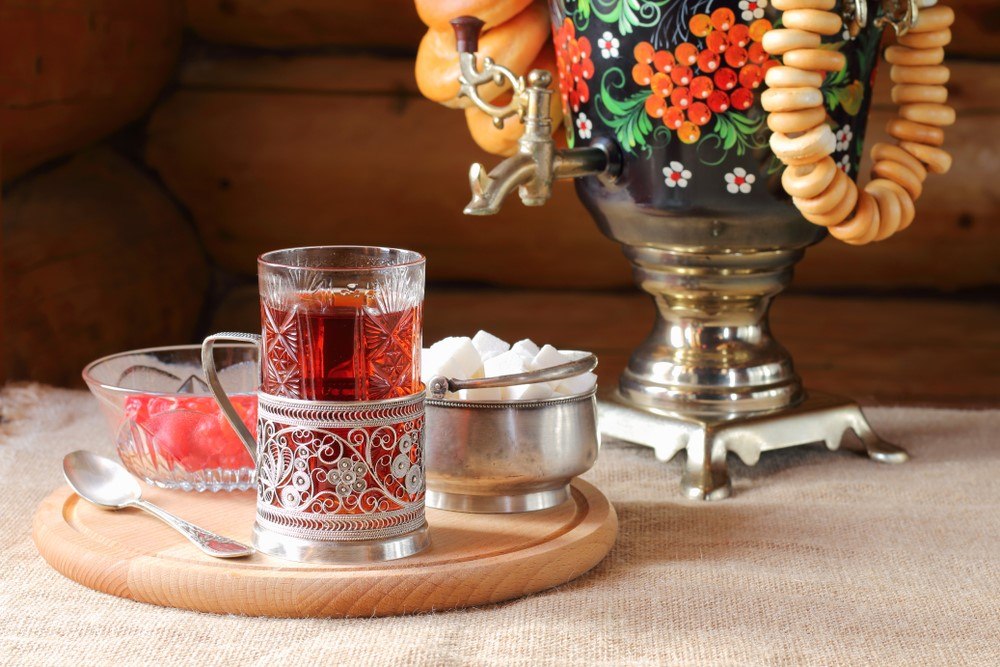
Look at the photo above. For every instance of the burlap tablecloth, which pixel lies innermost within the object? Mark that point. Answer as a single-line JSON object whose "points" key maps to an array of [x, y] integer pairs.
{"points": [[819, 558]]}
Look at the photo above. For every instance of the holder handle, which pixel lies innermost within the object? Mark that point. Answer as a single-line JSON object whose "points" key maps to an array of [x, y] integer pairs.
{"points": [[212, 377], [440, 385], [467, 29]]}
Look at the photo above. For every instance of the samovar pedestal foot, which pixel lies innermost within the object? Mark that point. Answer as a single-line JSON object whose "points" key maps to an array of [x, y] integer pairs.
{"points": [[818, 418]]}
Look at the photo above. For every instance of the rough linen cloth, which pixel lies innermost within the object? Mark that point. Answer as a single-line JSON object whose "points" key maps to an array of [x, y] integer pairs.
{"points": [[819, 558]]}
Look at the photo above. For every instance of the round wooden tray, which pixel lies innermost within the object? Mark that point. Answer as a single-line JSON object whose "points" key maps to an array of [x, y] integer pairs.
{"points": [[473, 559]]}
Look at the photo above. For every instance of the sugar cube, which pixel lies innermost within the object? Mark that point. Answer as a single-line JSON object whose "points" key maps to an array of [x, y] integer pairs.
{"points": [[525, 392], [507, 363], [573, 355], [525, 348], [578, 384], [428, 364], [547, 357], [487, 394], [489, 345], [454, 357]]}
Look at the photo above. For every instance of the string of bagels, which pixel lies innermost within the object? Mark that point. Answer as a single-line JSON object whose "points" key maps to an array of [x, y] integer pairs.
{"points": [[517, 34]]}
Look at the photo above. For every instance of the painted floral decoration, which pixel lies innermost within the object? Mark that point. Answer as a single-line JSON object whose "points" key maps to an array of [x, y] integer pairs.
{"points": [[608, 44], [675, 175], [752, 9], [690, 72], [739, 181], [575, 66], [844, 136]]}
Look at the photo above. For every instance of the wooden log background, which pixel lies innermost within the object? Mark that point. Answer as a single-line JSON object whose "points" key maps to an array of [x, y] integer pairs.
{"points": [[291, 122]]}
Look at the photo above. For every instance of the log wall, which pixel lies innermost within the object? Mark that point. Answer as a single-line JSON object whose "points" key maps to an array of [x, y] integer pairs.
{"points": [[72, 72], [293, 122], [96, 259], [310, 149]]}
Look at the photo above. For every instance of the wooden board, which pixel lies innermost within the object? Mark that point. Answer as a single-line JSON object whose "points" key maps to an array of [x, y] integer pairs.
{"points": [[96, 259], [340, 157], [73, 71], [473, 559]]}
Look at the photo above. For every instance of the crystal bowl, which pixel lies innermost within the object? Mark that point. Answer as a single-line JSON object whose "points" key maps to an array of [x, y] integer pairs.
{"points": [[167, 427]]}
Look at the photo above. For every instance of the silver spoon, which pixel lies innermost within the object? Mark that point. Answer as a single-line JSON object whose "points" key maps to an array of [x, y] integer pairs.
{"points": [[110, 486]]}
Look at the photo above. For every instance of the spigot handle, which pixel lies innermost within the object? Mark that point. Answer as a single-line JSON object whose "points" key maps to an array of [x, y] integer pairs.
{"points": [[467, 29]]}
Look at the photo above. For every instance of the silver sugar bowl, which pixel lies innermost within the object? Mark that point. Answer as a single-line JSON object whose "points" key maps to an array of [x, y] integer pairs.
{"points": [[508, 456]]}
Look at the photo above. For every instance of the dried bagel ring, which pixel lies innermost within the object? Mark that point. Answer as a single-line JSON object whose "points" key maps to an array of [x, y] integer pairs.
{"points": [[796, 121], [516, 43], [862, 227], [925, 75], [939, 115], [790, 77], [925, 40], [813, 20], [782, 40], [938, 161], [889, 207], [828, 199], [898, 173], [807, 147], [839, 212], [931, 19], [809, 180], [821, 60], [900, 55], [790, 99], [822, 193], [886, 151], [912, 93], [906, 202], [788, 5], [907, 130]]}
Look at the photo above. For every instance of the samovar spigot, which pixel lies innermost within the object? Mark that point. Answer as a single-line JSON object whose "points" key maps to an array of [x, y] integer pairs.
{"points": [[537, 162]]}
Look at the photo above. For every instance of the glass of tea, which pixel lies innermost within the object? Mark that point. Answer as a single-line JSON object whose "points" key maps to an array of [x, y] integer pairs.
{"points": [[338, 448]]}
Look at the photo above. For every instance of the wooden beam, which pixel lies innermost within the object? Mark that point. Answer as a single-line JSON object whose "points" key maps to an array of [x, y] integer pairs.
{"points": [[72, 72], [881, 351], [276, 151]]}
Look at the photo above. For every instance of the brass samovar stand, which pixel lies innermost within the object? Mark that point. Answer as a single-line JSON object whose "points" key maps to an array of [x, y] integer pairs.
{"points": [[710, 379]]}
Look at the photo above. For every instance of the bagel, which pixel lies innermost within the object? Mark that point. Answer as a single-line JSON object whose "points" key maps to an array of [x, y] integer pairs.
{"points": [[890, 208], [863, 226], [937, 160], [886, 151], [807, 147], [808, 180], [515, 44], [912, 93], [796, 121]]}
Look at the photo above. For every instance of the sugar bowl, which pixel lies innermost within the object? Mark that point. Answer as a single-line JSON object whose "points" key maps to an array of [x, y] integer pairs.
{"points": [[508, 455]]}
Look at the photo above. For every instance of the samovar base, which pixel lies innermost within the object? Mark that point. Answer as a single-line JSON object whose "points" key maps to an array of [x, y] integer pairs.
{"points": [[820, 417]]}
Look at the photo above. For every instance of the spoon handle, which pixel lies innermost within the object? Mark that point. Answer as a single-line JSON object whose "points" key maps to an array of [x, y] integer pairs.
{"points": [[209, 542]]}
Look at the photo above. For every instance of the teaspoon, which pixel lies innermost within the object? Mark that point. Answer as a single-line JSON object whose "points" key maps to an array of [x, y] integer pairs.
{"points": [[108, 485]]}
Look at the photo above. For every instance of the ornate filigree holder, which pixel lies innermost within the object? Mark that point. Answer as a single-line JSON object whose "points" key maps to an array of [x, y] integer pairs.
{"points": [[337, 482], [340, 482]]}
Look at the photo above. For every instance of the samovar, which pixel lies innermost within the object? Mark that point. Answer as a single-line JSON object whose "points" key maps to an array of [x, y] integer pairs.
{"points": [[668, 145]]}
